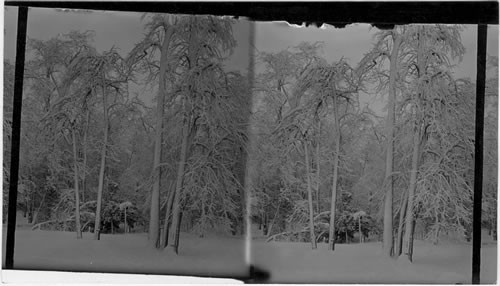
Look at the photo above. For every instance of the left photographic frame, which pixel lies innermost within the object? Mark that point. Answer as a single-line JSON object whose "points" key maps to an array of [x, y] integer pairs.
{"points": [[131, 142]]}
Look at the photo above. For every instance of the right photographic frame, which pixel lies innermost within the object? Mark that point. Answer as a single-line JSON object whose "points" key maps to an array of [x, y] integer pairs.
{"points": [[364, 159]]}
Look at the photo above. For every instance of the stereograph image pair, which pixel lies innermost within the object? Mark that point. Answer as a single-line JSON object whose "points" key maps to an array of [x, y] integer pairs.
{"points": [[209, 146]]}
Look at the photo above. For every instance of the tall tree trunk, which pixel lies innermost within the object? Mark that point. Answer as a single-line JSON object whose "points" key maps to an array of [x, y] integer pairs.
{"points": [[402, 217], [435, 240], [85, 142], [409, 230], [202, 217], [242, 201], [173, 239], [176, 208], [331, 233], [270, 228], [77, 192], [125, 221], [100, 189], [154, 215], [35, 216], [359, 229], [265, 224], [309, 197], [168, 218], [318, 168], [408, 238], [388, 236], [178, 230]]}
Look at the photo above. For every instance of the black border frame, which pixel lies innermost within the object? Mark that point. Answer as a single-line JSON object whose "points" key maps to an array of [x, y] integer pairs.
{"points": [[383, 15]]}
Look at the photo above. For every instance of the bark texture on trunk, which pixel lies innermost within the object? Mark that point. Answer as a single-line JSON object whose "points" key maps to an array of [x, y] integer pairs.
{"points": [[77, 192], [388, 224]]}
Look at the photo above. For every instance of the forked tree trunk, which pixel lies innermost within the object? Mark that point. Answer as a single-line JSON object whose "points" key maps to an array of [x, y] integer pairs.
{"points": [[176, 208], [77, 192], [402, 217], [387, 236], [333, 204], [97, 224], [154, 215], [309, 197]]}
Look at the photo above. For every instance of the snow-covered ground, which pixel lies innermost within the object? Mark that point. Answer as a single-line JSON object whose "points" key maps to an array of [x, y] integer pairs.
{"points": [[128, 253], [224, 257], [363, 263]]}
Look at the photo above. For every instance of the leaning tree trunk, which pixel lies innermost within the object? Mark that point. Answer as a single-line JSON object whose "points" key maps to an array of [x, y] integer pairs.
{"points": [[176, 208], [333, 203], [97, 225], [388, 236], [309, 198], [154, 215], [77, 192], [402, 217]]}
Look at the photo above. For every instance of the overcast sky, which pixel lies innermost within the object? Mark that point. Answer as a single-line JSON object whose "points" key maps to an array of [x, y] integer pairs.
{"points": [[124, 29], [354, 41]]}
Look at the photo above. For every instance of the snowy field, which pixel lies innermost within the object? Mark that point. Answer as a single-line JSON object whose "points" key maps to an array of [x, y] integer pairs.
{"points": [[224, 257], [363, 263], [127, 253]]}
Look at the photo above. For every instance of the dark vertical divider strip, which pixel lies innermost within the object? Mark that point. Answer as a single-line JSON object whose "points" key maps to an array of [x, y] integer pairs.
{"points": [[482, 31], [22, 22]]}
